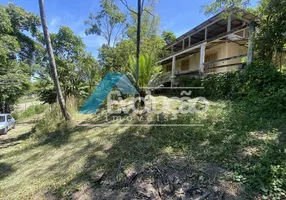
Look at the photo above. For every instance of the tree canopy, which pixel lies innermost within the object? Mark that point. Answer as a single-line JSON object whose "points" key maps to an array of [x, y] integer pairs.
{"points": [[168, 36], [109, 22], [77, 68], [17, 53]]}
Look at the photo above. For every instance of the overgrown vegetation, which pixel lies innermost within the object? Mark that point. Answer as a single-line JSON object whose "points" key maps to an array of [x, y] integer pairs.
{"points": [[31, 111], [260, 84], [50, 123], [258, 98]]}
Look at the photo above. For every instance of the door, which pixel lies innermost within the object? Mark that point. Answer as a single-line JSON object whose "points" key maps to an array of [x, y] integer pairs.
{"points": [[9, 121]]}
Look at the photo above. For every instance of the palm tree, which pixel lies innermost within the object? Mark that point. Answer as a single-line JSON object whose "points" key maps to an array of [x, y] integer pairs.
{"points": [[53, 67], [148, 70]]}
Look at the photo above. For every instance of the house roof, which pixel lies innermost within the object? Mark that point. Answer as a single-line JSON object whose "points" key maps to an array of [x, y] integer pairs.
{"points": [[243, 14]]}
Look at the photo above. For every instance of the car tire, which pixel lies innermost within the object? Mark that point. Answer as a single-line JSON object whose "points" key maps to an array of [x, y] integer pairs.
{"points": [[14, 126]]}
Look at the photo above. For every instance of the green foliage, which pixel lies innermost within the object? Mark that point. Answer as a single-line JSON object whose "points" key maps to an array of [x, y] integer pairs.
{"points": [[78, 70], [51, 122], [112, 24], [109, 22], [147, 69], [116, 59], [271, 38], [150, 23], [260, 84], [70, 56], [216, 6], [32, 111], [264, 86], [16, 53], [46, 90], [168, 36], [14, 81], [153, 45]]}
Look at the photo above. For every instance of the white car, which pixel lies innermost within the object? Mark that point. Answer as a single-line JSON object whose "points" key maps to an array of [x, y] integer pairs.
{"points": [[7, 122]]}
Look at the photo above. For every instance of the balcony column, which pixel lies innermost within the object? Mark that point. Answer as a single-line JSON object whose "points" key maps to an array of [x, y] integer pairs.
{"points": [[228, 23], [250, 42], [243, 33], [202, 57], [173, 71]]}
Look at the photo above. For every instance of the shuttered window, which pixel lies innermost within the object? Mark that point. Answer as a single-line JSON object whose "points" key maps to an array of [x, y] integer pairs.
{"points": [[211, 57], [185, 65]]}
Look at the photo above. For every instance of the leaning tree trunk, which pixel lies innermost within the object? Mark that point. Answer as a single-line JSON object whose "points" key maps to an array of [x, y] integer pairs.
{"points": [[53, 67]]}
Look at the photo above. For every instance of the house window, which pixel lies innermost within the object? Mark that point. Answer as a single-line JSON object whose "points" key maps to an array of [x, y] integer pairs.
{"points": [[185, 65], [168, 68], [211, 57]]}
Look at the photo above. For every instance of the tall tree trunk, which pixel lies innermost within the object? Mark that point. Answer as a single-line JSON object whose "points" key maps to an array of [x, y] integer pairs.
{"points": [[138, 40], [52, 62]]}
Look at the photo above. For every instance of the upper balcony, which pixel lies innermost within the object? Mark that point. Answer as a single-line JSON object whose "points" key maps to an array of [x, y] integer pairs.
{"points": [[235, 27]]}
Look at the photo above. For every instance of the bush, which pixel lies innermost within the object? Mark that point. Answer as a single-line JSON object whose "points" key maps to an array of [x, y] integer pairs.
{"points": [[222, 85], [51, 122], [260, 84], [264, 86], [31, 111]]}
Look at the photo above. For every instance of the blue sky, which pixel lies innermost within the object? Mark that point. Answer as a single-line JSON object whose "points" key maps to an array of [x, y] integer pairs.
{"points": [[178, 16]]}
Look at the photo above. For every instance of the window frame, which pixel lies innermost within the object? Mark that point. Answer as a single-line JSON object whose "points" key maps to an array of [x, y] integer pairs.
{"points": [[183, 67]]}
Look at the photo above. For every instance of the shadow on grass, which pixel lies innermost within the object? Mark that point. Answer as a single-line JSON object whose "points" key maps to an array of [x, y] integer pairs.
{"points": [[15, 140], [5, 170], [247, 142], [234, 138], [60, 138]]}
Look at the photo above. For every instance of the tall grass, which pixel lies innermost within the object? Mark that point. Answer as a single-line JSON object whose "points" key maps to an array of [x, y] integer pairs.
{"points": [[31, 111], [52, 122]]}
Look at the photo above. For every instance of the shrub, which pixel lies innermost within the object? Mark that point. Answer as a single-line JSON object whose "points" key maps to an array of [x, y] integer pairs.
{"points": [[222, 85], [260, 84], [51, 122], [264, 86], [31, 111]]}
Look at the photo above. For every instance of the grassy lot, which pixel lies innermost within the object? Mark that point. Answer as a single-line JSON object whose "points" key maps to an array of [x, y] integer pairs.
{"points": [[237, 153]]}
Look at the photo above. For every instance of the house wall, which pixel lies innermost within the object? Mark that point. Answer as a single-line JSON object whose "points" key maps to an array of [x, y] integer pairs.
{"points": [[235, 50], [223, 50], [220, 50], [194, 62], [231, 49]]}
